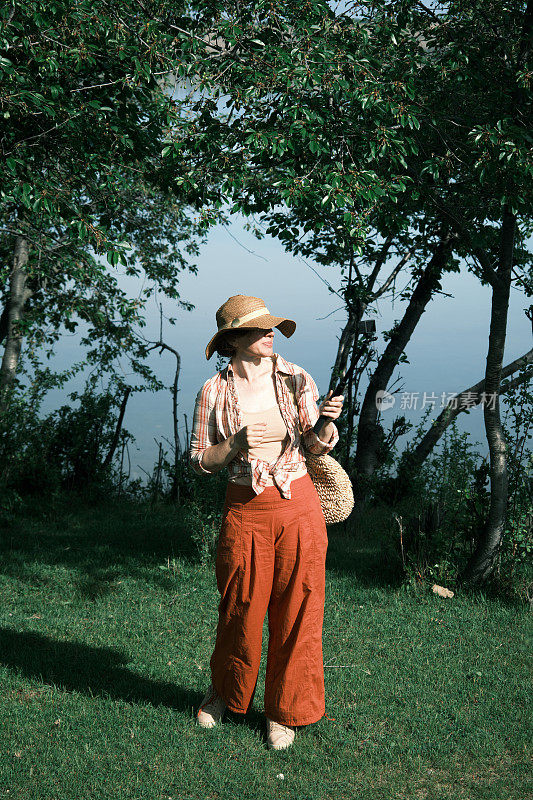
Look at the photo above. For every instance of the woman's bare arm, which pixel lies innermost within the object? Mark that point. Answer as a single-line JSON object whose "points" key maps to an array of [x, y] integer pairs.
{"points": [[217, 456]]}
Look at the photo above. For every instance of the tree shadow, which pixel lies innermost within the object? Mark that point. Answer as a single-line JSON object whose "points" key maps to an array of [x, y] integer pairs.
{"points": [[108, 541], [74, 666], [102, 543], [363, 548]]}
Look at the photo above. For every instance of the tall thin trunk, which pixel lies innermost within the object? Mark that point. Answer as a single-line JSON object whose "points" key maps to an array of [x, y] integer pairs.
{"points": [[369, 431], [346, 343], [343, 350], [482, 561], [4, 323], [16, 300], [187, 442], [109, 457], [174, 490]]}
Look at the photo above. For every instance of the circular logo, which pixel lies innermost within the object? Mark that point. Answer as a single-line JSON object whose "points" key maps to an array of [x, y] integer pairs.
{"points": [[384, 400]]}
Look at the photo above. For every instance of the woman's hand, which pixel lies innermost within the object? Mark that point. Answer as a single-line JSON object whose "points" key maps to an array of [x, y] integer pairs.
{"points": [[250, 435], [331, 406]]}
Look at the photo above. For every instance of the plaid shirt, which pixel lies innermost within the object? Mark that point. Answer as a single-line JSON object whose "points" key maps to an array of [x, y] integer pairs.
{"points": [[217, 416]]}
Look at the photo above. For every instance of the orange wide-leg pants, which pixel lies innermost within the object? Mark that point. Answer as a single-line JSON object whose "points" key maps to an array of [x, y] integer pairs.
{"points": [[271, 557]]}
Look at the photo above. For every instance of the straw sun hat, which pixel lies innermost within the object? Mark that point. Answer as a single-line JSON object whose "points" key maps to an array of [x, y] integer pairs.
{"points": [[243, 311]]}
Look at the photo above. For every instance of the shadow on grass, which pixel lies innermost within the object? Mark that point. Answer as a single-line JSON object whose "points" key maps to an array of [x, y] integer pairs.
{"points": [[102, 543], [363, 548], [73, 666], [108, 541]]}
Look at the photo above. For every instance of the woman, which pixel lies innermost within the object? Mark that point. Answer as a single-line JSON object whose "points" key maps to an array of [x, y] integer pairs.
{"points": [[273, 540]]}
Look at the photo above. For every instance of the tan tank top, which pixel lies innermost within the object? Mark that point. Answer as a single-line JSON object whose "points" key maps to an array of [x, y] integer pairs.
{"points": [[276, 432], [273, 442]]}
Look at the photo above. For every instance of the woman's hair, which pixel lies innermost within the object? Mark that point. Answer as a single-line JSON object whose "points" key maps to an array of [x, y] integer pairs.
{"points": [[223, 347]]}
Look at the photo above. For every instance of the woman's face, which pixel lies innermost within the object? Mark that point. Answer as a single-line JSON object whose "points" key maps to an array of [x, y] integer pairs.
{"points": [[255, 342]]}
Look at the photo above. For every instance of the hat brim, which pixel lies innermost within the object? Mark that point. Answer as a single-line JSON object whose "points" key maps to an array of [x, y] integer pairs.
{"points": [[286, 326]]}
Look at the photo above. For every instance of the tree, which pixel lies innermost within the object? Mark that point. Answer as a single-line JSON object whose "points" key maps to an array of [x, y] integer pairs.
{"points": [[86, 108], [390, 118]]}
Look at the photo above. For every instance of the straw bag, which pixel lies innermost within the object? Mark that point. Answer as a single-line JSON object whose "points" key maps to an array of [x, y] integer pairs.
{"points": [[331, 481]]}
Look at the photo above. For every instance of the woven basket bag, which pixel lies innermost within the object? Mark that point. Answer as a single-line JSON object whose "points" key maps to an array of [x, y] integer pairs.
{"points": [[331, 481]]}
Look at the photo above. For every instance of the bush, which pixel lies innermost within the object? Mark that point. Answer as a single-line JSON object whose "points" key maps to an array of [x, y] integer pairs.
{"points": [[439, 523], [63, 451]]}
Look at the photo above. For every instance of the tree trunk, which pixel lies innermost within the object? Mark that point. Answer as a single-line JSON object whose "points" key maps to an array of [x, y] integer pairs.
{"points": [[343, 350], [116, 435], [482, 561], [4, 323], [346, 343], [175, 488], [18, 294], [369, 432]]}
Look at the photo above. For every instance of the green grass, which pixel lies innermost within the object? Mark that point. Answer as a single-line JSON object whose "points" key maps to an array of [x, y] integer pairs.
{"points": [[107, 629]]}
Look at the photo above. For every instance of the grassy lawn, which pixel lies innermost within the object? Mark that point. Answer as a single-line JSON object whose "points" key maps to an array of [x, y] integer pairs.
{"points": [[107, 629]]}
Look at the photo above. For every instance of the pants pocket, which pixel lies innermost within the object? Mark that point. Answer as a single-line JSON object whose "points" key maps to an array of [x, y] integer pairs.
{"points": [[230, 543], [317, 547], [229, 555]]}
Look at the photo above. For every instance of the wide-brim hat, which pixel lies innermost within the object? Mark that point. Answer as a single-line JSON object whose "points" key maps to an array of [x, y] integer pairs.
{"points": [[243, 311]]}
